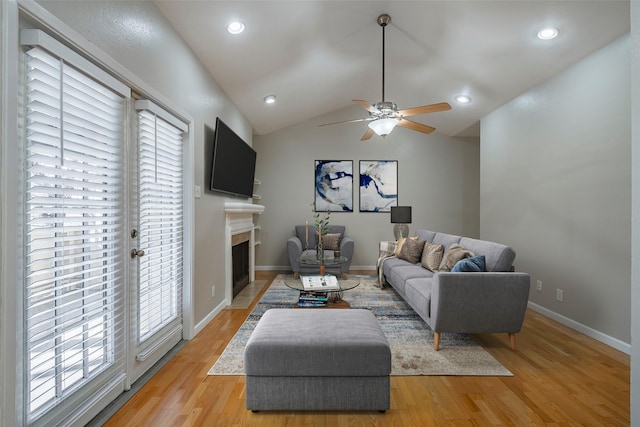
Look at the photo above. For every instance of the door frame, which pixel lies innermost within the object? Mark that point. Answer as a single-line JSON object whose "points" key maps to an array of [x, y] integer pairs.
{"points": [[11, 313]]}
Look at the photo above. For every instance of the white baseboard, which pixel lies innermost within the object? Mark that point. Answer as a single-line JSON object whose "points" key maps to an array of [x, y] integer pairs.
{"points": [[583, 329], [209, 317]]}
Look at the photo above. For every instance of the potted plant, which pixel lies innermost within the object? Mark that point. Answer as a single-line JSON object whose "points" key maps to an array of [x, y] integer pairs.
{"points": [[321, 222]]}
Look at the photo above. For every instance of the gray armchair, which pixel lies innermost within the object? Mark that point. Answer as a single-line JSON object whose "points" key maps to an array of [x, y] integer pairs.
{"points": [[296, 246]]}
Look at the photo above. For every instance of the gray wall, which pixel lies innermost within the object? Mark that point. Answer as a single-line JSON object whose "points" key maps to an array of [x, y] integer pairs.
{"points": [[138, 36], [556, 186], [635, 212], [437, 175]]}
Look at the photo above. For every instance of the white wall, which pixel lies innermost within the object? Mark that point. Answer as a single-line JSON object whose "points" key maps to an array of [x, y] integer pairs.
{"points": [[556, 186], [437, 176], [138, 36]]}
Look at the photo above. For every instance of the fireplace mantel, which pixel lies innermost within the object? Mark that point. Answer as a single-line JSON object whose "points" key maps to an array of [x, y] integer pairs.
{"points": [[238, 207], [239, 219]]}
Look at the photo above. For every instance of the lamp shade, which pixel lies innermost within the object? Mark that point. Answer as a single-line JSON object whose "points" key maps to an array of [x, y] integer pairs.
{"points": [[383, 127], [401, 214]]}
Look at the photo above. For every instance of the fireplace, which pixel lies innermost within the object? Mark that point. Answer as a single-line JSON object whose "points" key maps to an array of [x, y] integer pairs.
{"points": [[240, 229], [240, 266]]}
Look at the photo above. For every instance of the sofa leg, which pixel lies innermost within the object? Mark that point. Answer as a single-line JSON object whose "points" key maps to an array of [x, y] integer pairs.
{"points": [[512, 338], [436, 341], [296, 274]]}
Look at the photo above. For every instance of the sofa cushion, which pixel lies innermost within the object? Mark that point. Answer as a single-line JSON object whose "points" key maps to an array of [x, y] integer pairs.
{"points": [[454, 254], [331, 241], [412, 250], [471, 264], [302, 232], [432, 256], [400, 243], [398, 271], [498, 257], [418, 293]]}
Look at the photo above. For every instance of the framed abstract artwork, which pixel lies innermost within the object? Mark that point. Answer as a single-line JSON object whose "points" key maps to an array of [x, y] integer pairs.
{"points": [[378, 185], [333, 185]]}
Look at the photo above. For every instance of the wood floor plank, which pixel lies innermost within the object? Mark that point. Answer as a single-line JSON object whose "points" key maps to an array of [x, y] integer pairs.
{"points": [[561, 377]]}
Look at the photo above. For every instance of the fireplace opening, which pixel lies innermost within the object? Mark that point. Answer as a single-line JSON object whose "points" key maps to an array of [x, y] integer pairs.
{"points": [[240, 266]]}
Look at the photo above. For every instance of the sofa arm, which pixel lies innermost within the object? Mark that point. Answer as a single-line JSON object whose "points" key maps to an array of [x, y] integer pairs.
{"points": [[346, 250], [294, 250], [479, 302]]}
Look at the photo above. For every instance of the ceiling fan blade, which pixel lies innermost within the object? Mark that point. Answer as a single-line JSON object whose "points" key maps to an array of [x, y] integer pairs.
{"points": [[346, 121], [367, 135], [364, 104], [415, 126], [432, 108]]}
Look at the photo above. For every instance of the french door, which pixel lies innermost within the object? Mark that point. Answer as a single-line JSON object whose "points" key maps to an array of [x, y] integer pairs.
{"points": [[156, 236], [101, 226]]}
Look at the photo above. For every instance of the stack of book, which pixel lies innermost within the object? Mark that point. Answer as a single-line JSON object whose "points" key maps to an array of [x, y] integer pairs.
{"points": [[326, 283], [313, 299]]}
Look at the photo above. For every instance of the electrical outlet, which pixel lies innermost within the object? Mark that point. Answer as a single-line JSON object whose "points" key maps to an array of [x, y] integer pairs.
{"points": [[560, 295], [213, 291], [539, 285]]}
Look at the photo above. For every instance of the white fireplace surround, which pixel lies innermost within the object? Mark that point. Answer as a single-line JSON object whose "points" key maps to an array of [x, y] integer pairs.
{"points": [[238, 220]]}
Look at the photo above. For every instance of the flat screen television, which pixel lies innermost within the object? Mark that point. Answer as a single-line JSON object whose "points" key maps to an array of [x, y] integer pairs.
{"points": [[233, 164]]}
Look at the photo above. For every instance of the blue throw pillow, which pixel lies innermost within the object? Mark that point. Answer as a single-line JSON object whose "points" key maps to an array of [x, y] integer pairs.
{"points": [[473, 264]]}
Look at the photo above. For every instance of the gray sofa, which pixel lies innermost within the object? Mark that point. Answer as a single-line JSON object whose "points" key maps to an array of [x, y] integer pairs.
{"points": [[296, 246], [494, 301]]}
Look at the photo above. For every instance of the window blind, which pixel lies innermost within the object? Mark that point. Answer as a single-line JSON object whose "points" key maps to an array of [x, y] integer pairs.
{"points": [[160, 220], [73, 230]]}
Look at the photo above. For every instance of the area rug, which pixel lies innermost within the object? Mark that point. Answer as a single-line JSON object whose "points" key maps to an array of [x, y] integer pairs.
{"points": [[410, 338]]}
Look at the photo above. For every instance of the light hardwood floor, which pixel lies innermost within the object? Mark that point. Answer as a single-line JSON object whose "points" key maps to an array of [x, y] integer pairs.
{"points": [[561, 378]]}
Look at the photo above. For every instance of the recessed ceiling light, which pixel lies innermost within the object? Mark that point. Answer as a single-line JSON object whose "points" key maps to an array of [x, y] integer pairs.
{"points": [[236, 27], [463, 99], [548, 33], [269, 99]]}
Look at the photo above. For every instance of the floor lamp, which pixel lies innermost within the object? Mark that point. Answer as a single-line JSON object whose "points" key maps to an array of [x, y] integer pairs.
{"points": [[400, 217]]}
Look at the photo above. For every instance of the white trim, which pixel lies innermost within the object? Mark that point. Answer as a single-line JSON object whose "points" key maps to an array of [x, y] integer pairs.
{"points": [[10, 310], [91, 407], [209, 317], [586, 330], [145, 104], [189, 244], [31, 37]]}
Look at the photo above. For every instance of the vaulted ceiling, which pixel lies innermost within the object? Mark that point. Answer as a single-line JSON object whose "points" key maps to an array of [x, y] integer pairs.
{"points": [[316, 56]]}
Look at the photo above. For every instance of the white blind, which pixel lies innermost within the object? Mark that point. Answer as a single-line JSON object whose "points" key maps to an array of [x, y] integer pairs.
{"points": [[73, 231], [161, 223]]}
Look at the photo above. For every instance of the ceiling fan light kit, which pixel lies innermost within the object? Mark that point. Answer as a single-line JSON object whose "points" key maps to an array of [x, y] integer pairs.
{"points": [[382, 127], [384, 116]]}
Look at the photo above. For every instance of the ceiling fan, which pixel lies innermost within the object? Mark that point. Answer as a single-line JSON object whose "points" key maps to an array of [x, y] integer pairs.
{"points": [[384, 115]]}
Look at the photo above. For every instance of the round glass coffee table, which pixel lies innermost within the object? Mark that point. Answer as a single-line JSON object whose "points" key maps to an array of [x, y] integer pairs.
{"points": [[334, 297]]}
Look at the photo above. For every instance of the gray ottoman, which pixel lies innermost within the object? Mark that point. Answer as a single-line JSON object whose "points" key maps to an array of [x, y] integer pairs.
{"points": [[317, 359]]}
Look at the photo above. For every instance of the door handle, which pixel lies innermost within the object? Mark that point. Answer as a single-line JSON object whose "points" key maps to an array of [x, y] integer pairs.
{"points": [[136, 253]]}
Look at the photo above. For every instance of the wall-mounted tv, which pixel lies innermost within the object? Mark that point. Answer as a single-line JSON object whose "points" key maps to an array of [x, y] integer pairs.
{"points": [[234, 162]]}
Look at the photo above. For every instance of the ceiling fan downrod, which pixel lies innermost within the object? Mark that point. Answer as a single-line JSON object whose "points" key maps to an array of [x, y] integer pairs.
{"points": [[383, 20]]}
